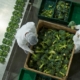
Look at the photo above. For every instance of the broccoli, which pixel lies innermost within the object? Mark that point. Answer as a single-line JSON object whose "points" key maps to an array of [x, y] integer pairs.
{"points": [[62, 10], [41, 66], [7, 42], [53, 59], [69, 47], [2, 59], [50, 57], [1, 52], [62, 32], [4, 47], [48, 42], [72, 24], [35, 57], [61, 3], [51, 64], [5, 54], [43, 45], [67, 34], [9, 36], [65, 66], [14, 20], [59, 74], [62, 46], [52, 52], [39, 51], [58, 37], [66, 61], [62, 74], [48, 71]]}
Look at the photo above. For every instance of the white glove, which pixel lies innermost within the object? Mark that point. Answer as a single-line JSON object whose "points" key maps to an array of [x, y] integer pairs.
{"points": [[77, 27]]}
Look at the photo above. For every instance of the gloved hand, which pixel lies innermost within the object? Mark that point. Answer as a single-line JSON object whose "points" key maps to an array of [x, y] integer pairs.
{"points": [[28, 52], [77, 26]]}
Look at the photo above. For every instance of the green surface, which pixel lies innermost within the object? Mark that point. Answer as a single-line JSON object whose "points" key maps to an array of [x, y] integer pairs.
{"points": [[27, 75], [75, 13], [42, 77]]}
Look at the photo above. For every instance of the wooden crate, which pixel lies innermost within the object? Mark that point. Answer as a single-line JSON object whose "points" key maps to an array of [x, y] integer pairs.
{"points": [[46, 24]]}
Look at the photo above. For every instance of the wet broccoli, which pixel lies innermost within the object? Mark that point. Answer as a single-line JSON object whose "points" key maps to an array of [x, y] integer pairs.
{"points": [[72, 24]]}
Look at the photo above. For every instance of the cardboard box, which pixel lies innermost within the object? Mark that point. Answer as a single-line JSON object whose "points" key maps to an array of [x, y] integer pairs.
{"points": [[46, 24]]}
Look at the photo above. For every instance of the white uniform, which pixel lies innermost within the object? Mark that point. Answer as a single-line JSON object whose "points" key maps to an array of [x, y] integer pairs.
{"points": [[20, 35], [77, 26], [76, 39]]}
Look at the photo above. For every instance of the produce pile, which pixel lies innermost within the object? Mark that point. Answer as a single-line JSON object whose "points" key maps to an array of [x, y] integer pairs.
{"points": [[62, 10], [52, 53], [48, 9], [11, 29]]}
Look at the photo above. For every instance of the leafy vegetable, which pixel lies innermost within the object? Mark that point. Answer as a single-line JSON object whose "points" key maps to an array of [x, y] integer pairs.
{"points": [[48, 9], [62, 10], [52, 53], [4, 48], [9, 36], [72, 24], [2, 59], [7, 42]]}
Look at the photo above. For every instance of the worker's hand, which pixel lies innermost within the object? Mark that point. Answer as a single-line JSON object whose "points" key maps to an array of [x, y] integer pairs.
{"points": [[32, 52]]}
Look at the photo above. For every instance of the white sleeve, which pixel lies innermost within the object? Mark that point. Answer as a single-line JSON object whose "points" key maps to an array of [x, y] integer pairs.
{"points": [[25, 47], [34, 30], [77, 26]]}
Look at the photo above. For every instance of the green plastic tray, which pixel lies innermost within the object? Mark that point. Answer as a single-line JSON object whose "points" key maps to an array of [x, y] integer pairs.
{"points": [[27, 75], [61, 20], [44, 6], [75, 13], [42, 77]]}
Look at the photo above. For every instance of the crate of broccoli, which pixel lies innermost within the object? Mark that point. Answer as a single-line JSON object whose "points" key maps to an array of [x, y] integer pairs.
{"points": [[62, 10], [54, 52]]}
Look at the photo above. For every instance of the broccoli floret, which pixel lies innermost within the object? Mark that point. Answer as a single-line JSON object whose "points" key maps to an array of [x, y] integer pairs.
{"points": [[35, 57], [62, 74], [52, 52], [66, 61], [2, 59], [41, 66], [67, 34], [1, 52], [69, 47], [62, 32], [72, 24], [49, 71], [58, 37], [5, 53], [50, 57], [31, 63], [43, 45], [39, 51], [48, 42]]}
